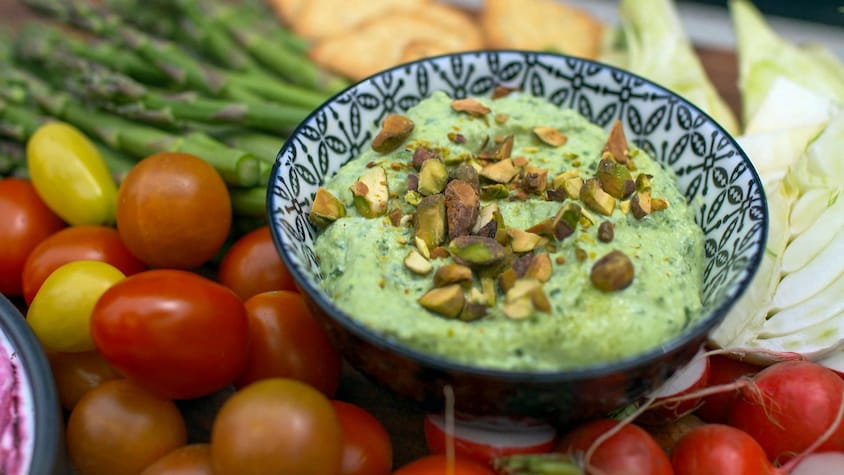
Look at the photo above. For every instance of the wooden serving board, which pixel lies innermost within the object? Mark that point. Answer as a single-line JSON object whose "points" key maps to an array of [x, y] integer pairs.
{"points": [[403, 421]]}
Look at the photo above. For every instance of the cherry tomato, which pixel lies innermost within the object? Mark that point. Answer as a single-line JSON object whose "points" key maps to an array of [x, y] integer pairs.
{"points": [[60, 314], [276, 426], [173, 210], [70, 175], [631, 450], [287, 341], [118, 428], [78, 373], [176, 333], [193, 459], [252, 265], [76, 243], [367, 449], [26, 222], [438, 465]]}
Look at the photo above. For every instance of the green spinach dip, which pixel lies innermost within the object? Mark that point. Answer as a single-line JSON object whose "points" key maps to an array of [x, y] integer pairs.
{"points": [[533, 240]]}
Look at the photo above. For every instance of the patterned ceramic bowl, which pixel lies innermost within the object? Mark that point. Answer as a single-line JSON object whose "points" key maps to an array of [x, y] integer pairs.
{"points": [[31, 434], [712, 171]]}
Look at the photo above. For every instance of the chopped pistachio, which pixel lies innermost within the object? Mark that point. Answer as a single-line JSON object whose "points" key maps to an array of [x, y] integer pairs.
{"points": [[540, 267], [417, 263], [518, 309], [429, 222], [395, 216], [326, 208], [470, 106], [370, 193], [439, 252], [535, 180], [502, 171], [477, 250], [394, 131], [606, 231], [494, 192], [488, 288], [643, 182], [421, 154], [555, 194], [572, 187], [432, 177], [524, 241], [489, 222], [616, 146], [467, 173], [456, 138], [615, 179], [412, 197], [501, 119], [550, 136], [640, 204], [659, 204], [449, 274], [472, 311], [446, 301], [612, 272], [462, 205], [506, 279], [502, 149], [501, 91], [624, 206], [595, 198], [422, 247], [580, 254]]}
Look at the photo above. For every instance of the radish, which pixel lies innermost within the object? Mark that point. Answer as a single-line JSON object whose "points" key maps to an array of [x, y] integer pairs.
{"points": [[719, 449], [789, 407], [722, 370], [485, 439], [686, 380], [630, 450], [824, 463]]}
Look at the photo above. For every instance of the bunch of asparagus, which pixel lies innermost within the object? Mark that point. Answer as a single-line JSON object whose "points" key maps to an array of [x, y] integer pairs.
{"points": [[218, 79]]}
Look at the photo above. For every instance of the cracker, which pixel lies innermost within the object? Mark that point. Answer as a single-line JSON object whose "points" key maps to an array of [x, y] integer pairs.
{"points": [[540, 25], [396, 37], [323, 18], [287, 9]]}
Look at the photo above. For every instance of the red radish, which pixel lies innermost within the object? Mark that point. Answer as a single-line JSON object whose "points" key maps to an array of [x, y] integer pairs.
{"points": [[629, 451], [484, 439], [686, 380], [789, 406], [719, 449], [722, 370], [825, 463]]}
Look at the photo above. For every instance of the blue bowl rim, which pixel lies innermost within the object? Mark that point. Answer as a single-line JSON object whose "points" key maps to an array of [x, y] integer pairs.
{"points": [[48, 443], [637, 360]]}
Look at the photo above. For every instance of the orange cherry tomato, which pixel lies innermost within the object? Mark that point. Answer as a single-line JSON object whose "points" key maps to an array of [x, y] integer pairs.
{"points": [[79, 372], [287, 341], [192, 459], [252, 265], [119, 428], [276, 426], [173, 210], [438, 465], [26, 222], [367, 449]]}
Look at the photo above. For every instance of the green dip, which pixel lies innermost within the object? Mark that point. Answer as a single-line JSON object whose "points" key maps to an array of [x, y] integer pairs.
{"points": [[361, 259]]}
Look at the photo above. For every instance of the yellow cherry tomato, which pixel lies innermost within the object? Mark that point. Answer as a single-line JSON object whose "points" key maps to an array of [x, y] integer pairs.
{"points": [[70, 175], [60, 313]]}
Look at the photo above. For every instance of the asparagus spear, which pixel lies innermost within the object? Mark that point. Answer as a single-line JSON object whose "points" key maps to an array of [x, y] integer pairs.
{"points": [[238, 168], [121, 94], [185, 70]]}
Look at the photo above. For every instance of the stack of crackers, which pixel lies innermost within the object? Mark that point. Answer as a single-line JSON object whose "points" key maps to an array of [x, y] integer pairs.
{"points": [[357, 38]]}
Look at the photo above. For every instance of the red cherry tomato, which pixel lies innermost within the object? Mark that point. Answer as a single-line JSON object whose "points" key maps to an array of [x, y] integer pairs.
{"points": [[76, 243], [288, 342], [252, 265], [631, 450], [118, 428], [26, 222], [367, 449], [485, 440], [176, 333], [438, 465]]}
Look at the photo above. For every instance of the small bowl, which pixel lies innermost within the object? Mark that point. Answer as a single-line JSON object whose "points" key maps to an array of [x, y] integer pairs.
{"points": [[711, 169], [31, 435]]}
